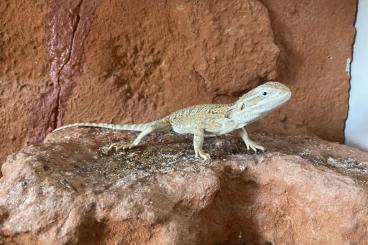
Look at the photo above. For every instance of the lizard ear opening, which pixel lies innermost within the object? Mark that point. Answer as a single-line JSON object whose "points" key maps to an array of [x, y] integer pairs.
{"points": [[227, 114]]}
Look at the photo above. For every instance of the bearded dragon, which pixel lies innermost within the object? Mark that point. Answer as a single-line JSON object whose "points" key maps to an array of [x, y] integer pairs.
{"points": [[217, 119]]}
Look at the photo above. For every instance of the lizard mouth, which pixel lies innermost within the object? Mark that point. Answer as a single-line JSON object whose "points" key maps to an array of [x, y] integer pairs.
{"points": [[273, 103], [281, 99], [287, 96]]}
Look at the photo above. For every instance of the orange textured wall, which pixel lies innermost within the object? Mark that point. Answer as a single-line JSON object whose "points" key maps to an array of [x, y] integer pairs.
{"points": [[67, 61]]}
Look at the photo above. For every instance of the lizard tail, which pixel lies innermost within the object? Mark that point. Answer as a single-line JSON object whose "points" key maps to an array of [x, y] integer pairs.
{"points": [[129, 127]]}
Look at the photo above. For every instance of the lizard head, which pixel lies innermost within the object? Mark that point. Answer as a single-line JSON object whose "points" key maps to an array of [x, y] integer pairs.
{"points": [[258, 102]]}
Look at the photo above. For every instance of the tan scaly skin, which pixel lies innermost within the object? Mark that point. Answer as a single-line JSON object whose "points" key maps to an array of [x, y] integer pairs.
{"points": [[212, 118]]}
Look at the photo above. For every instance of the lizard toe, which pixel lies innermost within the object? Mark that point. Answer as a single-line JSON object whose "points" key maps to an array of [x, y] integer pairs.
{"points": [[120, 146], [261, 148], [206, 156]]}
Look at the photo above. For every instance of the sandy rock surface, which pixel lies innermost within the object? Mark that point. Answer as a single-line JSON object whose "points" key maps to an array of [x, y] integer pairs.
{"points": [[69, 190]]}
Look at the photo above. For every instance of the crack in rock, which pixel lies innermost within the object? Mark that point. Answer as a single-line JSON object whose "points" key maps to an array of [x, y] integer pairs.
{"points": [[69, 26]]}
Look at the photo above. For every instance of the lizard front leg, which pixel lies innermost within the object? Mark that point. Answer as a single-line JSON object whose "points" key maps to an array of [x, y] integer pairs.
{"points": [[198, 144], [248, 142]]}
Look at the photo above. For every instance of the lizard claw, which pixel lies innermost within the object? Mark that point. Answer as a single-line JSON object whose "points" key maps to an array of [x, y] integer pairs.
{"points": [[254, 146], [204, 156], [120, 146]]}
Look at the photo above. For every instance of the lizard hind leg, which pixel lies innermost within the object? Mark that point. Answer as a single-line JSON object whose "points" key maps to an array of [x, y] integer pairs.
{"points": [[198, 144], [122, 145]]}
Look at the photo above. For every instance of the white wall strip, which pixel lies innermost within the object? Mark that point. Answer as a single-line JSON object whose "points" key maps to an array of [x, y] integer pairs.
{"points": [[356, 130]]}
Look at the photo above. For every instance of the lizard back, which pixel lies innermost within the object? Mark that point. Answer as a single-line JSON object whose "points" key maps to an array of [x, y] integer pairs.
{"points": [[207, 116]]}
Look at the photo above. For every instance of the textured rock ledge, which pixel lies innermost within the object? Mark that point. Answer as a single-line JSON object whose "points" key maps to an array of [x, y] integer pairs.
{"points": [[301, 191]]}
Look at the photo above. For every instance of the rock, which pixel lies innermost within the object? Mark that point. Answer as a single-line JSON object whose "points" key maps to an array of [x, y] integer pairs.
{"points": [[68, 190]]}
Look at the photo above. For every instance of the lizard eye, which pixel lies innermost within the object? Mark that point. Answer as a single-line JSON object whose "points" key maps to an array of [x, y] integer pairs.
{"points": [[264, 93]]}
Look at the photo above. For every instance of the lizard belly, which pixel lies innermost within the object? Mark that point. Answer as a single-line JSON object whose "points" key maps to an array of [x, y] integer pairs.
{"points": [[220, 131], [226, 126], [183, 129]]}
